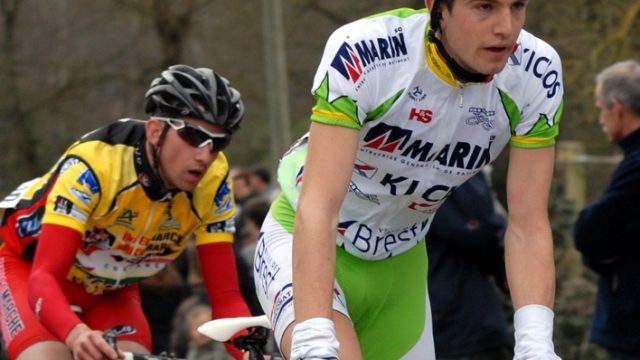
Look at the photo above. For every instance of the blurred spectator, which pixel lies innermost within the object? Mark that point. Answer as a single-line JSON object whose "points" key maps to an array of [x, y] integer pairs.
{"points": [[607, 231], [466, 262], [254, 214], [194, 275], [185, 340], [200, 346], [261, 184], [160, 295], [241, 182]]}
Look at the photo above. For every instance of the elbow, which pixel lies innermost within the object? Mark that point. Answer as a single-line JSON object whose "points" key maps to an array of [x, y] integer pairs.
{"points": [[36, 283], [523, 229], [42, 282], [594, 246], [582, 243], [585, 238]]}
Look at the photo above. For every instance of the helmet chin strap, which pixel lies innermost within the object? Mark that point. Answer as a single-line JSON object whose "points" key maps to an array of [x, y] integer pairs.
{"points": [[458, 71], [155, 157]]}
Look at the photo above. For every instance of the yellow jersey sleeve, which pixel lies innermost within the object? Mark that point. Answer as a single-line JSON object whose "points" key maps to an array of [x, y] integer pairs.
{"points": [[75, 193], [218, 224]]}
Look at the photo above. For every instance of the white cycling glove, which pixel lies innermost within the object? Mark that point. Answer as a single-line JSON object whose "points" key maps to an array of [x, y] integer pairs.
{"points": [[314, 339], [534, 333]]}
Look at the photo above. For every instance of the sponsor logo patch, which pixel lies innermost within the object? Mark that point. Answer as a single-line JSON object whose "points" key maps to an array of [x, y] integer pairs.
{"points": [[421, 115], [416, 94], [80, 195], [29, 225], [482, 116], [222, 226], [223, 200], [68, 163], [351, 60], [88, 180], [363, 169], [282, 301]]}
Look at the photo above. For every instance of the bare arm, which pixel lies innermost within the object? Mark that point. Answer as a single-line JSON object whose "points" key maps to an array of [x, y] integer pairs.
{"points": [[528, 240], [326, 177]]}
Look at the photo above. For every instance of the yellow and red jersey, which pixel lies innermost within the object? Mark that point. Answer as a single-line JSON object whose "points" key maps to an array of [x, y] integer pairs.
{"points": [[105, 188]]}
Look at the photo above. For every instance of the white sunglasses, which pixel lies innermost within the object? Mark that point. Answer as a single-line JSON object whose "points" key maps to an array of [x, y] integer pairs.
{"points": [[197, 136]]}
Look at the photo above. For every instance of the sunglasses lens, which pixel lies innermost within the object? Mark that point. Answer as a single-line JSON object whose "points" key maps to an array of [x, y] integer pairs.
{"points": [[192, 136], [195, 138], [220, 144]]}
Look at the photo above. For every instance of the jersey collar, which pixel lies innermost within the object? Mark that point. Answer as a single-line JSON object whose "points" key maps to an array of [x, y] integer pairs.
{"points": [[438, 64]]}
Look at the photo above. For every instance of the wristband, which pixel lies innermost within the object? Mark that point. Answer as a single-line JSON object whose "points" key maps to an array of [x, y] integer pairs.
{"points": [[314, 338], [534, 333]]}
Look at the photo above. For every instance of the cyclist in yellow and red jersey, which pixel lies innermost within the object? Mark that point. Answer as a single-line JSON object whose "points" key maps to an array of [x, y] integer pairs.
{"points": [[119, 205]]}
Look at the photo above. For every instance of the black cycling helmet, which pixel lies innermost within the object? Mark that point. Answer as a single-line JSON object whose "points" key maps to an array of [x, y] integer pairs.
{"points": [[183, 91]]}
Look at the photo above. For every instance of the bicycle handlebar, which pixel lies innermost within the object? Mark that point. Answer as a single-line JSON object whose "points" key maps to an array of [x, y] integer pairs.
{"points": [[223, 329], [110, 337], [133, 356]]}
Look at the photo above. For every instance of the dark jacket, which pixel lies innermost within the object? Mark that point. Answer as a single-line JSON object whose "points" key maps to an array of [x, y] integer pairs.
{"points": [[466, 260], [607, 233]]}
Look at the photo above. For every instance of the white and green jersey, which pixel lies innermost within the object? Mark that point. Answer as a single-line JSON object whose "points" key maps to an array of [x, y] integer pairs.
{"points": [[422, 133]]}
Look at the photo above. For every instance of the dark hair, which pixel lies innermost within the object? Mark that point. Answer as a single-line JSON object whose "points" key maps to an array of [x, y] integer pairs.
{"points": [[436, 13], [262, 172], [256, 210], [241, 174]]}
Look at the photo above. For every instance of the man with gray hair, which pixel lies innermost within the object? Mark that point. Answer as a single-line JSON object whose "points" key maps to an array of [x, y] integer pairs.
{"points": [[607, 231]]}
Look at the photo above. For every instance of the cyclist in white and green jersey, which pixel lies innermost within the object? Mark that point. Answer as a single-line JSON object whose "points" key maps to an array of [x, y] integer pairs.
{"points": [[409, 105]]}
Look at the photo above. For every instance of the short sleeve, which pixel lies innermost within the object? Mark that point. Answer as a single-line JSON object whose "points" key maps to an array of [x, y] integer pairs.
{"points": [[218, 223], [74, 195], [535, 113]]}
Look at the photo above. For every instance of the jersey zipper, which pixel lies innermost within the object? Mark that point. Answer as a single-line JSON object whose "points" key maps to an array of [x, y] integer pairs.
{"points": [[461, 97]]}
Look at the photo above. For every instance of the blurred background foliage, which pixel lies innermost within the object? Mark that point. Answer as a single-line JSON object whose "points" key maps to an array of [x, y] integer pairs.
{"points": [[68, 66]]}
